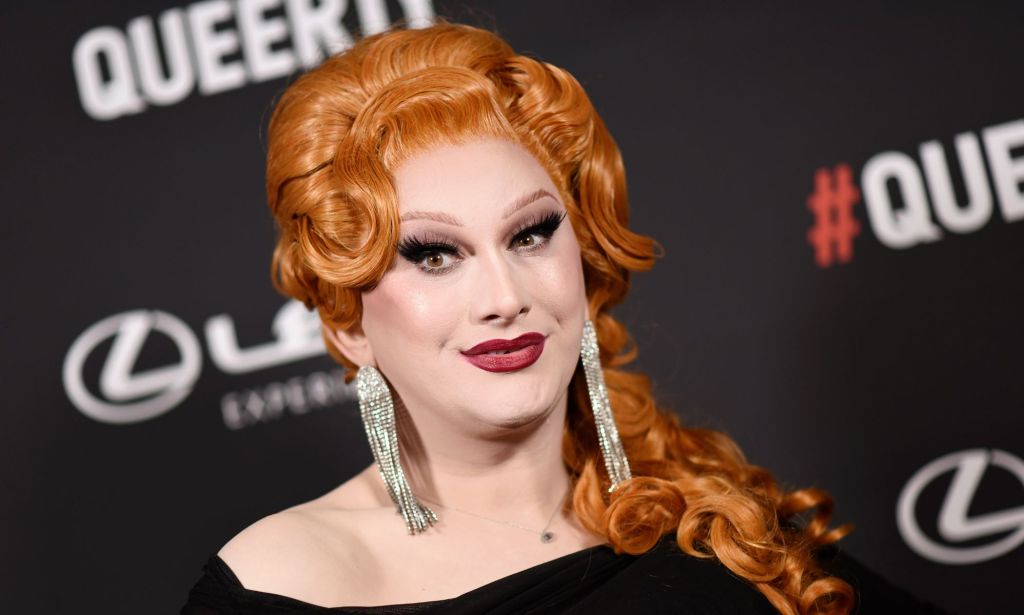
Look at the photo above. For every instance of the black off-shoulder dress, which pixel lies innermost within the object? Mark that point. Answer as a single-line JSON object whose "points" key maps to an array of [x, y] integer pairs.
{"points": [[591, 581]]}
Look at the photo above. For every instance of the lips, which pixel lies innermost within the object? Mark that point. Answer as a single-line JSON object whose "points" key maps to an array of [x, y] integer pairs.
{"points": [[499, 355]]}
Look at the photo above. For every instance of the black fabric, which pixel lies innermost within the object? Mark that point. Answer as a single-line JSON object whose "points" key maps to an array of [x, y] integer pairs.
{"points": [[594, 580]]}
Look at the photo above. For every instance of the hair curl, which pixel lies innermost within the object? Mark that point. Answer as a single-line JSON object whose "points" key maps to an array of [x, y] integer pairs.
{"points": [[334, 138]]}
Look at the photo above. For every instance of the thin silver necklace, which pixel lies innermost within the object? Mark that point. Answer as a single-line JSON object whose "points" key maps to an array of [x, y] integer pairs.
{"points": [[545, 535]]}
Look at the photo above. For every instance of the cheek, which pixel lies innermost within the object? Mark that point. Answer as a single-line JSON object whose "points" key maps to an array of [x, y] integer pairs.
{"points": [[399, 316], [560, 280], [563, 298]]}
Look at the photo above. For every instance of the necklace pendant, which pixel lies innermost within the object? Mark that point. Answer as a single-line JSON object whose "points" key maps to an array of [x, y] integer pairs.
{"points": [[547, 537]]}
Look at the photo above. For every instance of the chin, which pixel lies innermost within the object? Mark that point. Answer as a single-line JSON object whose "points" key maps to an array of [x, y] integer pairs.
{"points": [[521, 420], [518, 416]]}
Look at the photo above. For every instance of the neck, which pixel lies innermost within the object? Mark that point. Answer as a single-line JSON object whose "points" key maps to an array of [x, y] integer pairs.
{"points": [[517, 468]]}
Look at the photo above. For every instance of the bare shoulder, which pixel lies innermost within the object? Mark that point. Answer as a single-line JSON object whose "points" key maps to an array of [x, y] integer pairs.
{"points": [[302, 552]]}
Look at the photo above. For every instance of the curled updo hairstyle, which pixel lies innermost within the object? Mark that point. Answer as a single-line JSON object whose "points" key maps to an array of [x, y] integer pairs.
{"points": [[335, 139]]}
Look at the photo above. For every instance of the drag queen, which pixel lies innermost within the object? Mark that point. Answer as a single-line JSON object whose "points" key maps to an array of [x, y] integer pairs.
{"points": [[457, 214]]}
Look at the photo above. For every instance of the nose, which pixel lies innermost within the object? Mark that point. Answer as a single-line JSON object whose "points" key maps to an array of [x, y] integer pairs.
{"points": [[500, 293]]}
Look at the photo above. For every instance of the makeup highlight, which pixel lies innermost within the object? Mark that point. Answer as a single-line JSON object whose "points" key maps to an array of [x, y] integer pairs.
{"points": [[416, 249]]}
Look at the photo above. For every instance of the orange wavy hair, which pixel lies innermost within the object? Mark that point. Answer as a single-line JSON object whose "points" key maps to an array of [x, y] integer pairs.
{"points": [[334, 138]]}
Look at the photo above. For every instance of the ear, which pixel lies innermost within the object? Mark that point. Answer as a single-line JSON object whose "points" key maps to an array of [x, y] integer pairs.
{"points": [[352, 344]]}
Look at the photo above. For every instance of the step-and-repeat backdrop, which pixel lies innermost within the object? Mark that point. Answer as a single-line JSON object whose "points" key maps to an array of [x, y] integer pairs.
{"points": [[840, 194]]}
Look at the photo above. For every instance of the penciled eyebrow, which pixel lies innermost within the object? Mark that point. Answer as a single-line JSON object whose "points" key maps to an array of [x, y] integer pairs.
{"points": [[512, 208]]}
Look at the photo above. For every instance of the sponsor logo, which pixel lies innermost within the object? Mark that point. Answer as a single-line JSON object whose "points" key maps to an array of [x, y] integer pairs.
{"points": [[124, 395], [296, 332], [910, 203], [214, 46], [954, 523], [297, 395], [164, 387]]}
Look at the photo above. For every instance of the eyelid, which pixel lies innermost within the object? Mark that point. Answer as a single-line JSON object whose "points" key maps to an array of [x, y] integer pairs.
{"points": [[430, 241], [415, 251], [414, 248], [548, 221], [437, 240]]}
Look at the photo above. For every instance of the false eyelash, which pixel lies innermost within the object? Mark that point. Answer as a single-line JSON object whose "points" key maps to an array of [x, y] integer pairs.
{"points": [[545, 226], [413, 249]]}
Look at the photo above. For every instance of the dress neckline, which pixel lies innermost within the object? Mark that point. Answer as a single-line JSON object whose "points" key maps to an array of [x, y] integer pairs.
{"points": [[237, 586]]}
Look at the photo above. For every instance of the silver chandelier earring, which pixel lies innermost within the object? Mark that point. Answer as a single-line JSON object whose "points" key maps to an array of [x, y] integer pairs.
{"points": [[607, 433], [378, 412]]}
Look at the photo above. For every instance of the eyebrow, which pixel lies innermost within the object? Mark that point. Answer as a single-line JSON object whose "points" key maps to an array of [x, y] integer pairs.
{"points": [[512, 208]]}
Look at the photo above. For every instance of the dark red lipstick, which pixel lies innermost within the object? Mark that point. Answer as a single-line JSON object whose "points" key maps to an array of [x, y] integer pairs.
{"points": [[506, 355]]}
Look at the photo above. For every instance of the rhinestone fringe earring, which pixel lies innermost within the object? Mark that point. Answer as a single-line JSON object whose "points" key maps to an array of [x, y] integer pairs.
{"points": [[607, 433], [378, 412]]}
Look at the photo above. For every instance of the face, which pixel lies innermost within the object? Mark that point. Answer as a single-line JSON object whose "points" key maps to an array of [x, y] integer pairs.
{"points": [[486, 256]]}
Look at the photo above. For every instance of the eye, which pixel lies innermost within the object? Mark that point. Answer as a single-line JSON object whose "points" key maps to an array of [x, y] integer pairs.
{"points": [[433, 256], [535, 233], [525, 241], [434, 260]]}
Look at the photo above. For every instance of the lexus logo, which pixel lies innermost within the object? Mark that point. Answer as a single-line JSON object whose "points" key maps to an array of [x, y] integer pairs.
{"points": [[954, 524], [132, 397], [127, 396]]}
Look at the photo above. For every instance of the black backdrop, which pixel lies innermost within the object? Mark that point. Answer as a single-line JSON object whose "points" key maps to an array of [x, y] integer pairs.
{"points": [[159, 402]]}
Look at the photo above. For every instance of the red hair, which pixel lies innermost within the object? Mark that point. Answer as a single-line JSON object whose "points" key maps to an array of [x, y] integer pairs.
{"points": [[335, 137]]}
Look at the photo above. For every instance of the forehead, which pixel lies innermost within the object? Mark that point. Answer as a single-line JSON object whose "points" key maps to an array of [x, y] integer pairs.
{"points": [[480, 176]]}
